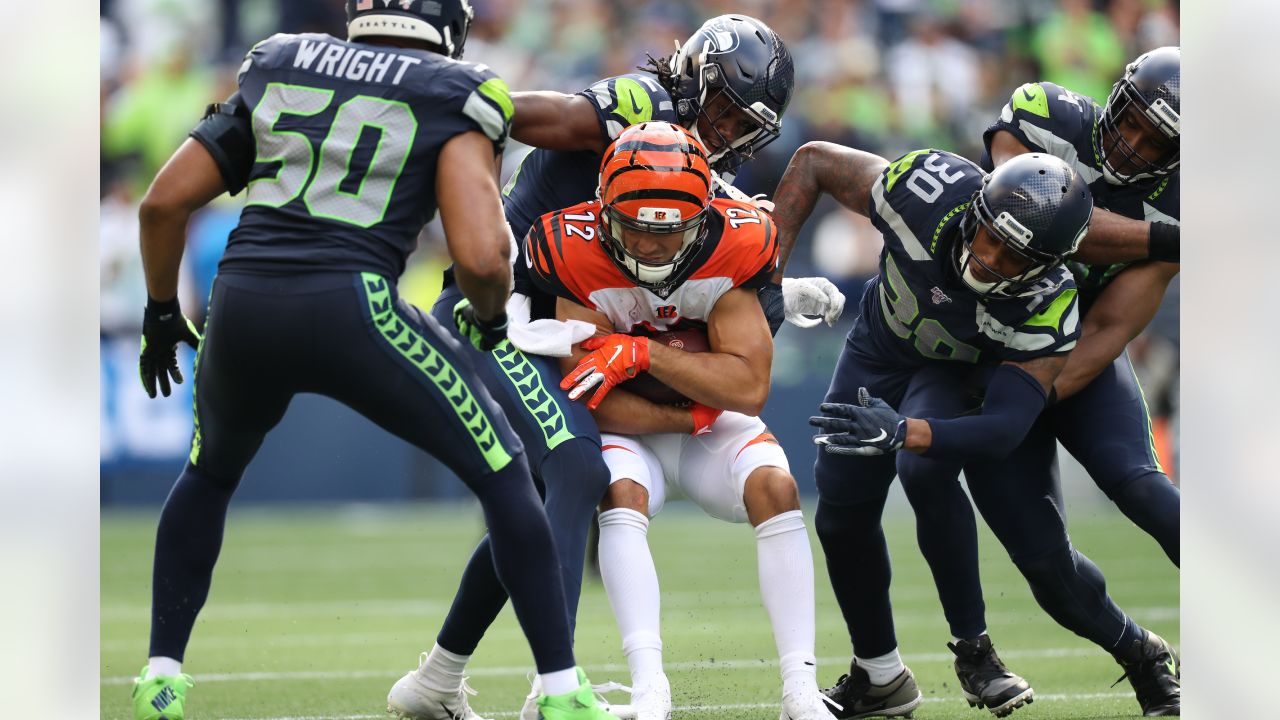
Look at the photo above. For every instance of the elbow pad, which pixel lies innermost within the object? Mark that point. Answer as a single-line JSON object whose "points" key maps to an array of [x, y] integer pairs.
{"points": [[227, 133]]}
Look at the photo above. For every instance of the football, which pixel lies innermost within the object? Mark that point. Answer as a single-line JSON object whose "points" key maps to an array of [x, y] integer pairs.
{"points": [[653, 389]]}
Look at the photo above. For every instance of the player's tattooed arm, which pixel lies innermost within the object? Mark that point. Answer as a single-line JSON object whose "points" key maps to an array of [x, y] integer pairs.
{"points": [[1111, 239], [556, 121], [188, 182], [816, 168], [621, 412], [1121, 312]]}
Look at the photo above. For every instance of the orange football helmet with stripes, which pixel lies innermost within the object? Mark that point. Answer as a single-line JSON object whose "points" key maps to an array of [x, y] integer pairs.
{"points": [[654, 178]]}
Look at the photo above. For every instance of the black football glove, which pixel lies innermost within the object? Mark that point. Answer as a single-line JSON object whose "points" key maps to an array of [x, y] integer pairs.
{"points": [[869, 428], [485, 336], [163, 327], [775, 308]]}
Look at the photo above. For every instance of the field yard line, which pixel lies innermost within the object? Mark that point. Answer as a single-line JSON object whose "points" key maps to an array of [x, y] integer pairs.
{"points": [[521, 670], [1048, 697]]}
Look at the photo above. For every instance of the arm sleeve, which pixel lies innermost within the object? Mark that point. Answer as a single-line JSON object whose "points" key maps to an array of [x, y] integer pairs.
{"points": [[1014, 400], [227, 133]]}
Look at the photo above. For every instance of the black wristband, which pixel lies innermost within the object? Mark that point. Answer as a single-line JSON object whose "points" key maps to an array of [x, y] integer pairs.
{"points": [[497, 324], [1162, 243]]}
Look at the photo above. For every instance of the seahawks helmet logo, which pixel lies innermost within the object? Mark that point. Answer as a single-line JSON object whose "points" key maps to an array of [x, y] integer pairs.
{"points": [[722, 38]]}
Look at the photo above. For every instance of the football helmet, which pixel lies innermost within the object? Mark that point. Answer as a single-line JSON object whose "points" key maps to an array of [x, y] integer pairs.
{"points": [[441, 23], [1151, 85], [1036, 206], [743, 59], [654, 178]]}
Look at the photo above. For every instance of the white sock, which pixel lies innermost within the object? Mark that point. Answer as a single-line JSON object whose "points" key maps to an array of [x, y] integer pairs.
{"points": [[559, 682], [882, 669], [162, 666], [786, 584], [631, 581], [443, 670]]}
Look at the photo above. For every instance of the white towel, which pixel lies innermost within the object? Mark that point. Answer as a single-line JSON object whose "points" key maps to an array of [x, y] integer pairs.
{"points": [[552, 338]]}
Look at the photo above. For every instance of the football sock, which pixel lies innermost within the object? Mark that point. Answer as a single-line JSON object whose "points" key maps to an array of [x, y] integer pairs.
{"points": [[524, 555], [785, 564], [443, 669], [162, 667], [559, 682], [854, 531], [188, 540], [631, 581], [882, 669]]}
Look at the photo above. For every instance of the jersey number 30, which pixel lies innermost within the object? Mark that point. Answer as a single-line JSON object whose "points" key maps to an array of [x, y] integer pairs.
{"points": [[331, 193]]}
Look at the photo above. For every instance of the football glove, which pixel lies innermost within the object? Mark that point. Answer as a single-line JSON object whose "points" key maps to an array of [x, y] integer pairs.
{"points": [[869, 428], [163, 327], [703, 418], [771, 301], [809, 301], [615, 358], [484, 336]]}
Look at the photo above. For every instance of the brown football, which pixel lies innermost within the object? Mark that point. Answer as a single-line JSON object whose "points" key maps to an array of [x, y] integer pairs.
{"points": [[653, 389]]}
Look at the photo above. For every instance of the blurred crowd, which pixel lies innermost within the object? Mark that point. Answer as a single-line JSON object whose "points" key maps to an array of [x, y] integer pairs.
{"points": [[885, 76]]}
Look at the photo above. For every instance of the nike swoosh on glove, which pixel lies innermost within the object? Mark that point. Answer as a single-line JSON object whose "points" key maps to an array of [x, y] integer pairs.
{"points": [[614, 358], [869, 428], [809, 301]]}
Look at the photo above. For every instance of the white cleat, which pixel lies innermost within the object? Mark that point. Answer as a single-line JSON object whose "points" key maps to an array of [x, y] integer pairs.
{"points": [[650, 700], [529, 711], [411, 699], [807, 705]]}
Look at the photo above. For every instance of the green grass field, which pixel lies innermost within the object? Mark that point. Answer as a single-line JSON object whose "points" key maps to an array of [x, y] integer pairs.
{"points": [[315, 613]]}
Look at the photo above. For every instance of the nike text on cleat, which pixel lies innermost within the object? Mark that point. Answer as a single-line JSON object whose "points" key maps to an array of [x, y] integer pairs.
{"points": [[1152, 668], [984, 679], [163, 697], [858, 698]]}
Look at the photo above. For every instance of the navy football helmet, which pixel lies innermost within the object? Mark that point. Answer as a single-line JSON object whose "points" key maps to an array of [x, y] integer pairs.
{"points": [[440, 23], [1035, 205], [1151, 87], [743, 59]]}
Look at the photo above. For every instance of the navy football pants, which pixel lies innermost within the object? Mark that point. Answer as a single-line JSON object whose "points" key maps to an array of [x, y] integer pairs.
{"points": [[563, 444], [349, 337]]}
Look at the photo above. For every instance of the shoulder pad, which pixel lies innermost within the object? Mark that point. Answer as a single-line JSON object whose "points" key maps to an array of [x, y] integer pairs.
{"points": [[918, 194], [629, 99], [1044, 116], [563, 254], [747, 249]]}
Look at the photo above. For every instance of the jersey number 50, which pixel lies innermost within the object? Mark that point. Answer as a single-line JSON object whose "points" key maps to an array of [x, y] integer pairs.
{"points": [[364, 201]]}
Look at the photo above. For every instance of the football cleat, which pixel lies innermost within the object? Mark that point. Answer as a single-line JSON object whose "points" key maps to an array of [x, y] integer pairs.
{"points": [[1152, 668], [580, 704], [984, 679], [411, 699], [163, 697], [855, 697], [811, 705]]}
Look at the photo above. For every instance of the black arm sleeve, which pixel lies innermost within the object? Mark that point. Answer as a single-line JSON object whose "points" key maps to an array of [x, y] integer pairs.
{"points": [[227, 133], [1014, 400]]}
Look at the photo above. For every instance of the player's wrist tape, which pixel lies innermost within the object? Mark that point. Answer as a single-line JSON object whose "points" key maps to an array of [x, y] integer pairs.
{"points": [[1162, 242]]}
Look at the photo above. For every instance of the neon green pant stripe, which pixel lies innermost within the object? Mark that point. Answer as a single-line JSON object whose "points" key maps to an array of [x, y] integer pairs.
{"points": [[539, 403], [415, 348], [1146, 418]]}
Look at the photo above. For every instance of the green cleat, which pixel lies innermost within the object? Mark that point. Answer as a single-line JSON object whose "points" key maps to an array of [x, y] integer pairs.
{"points": [[581, 704], [160, 698]]}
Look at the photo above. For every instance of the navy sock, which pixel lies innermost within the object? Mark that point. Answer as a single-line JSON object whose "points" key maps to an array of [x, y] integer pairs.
{"points": [[1153, 504], [524, 558], [575, 478], [188, 541], [858, 565]]}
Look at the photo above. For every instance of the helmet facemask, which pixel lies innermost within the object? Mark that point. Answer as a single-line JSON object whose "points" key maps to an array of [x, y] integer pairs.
{"points": [[655, 220], [731, 153], [1015, 238], [1158, 109]]}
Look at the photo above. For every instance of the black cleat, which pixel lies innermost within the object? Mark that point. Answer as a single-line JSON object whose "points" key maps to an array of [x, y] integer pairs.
{"points": [[1152, 668], [858, 698], [984, 679]]}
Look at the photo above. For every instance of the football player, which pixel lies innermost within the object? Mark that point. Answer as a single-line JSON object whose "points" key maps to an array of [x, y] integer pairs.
{"points": [[971, 277], [658, 252], [352, 146], [730, 84]]}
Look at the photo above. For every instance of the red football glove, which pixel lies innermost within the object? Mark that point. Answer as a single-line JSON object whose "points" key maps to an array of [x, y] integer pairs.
{"points": [[703, 418], [615, 358]]}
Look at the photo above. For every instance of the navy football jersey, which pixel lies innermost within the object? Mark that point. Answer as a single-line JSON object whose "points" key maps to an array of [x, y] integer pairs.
{"points": [[1049, 118], [917, 310], [549, 180], [347, 137]]}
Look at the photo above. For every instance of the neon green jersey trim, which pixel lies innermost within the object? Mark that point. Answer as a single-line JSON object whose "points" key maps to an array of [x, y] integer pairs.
{"points": [[634, 104], [496, 90], [1051, 317], [1031, 97], [899, 167]]}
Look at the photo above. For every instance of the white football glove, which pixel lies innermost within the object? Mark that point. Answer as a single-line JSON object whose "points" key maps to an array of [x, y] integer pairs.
{"points": [[809, 301]]}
